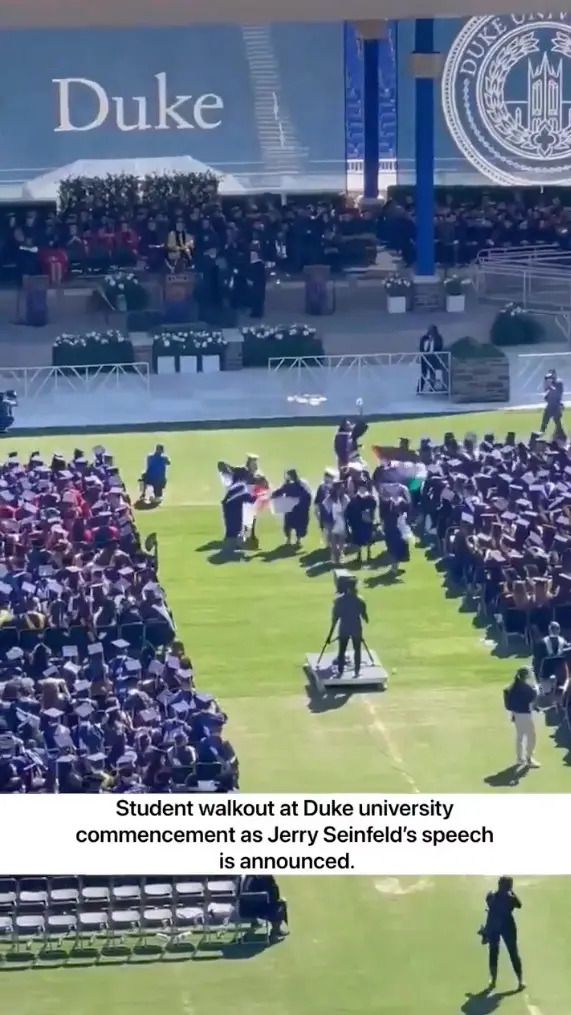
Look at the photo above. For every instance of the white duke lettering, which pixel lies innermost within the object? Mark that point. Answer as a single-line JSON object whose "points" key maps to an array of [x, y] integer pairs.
{"points": [[179, 112]]}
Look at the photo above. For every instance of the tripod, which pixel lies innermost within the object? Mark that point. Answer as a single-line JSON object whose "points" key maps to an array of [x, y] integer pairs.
{"points": [[330, 638]]}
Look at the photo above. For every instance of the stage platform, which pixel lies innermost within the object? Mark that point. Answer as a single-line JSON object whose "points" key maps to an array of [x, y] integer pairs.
{"points": [[243, 397], [323, 672]]}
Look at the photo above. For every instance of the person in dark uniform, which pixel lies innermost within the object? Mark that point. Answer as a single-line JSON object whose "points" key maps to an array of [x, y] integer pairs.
{"points": [[430, 345], [350, 612], [500, 926], [296, 520], [257, 286], [360, 515], [267, 904], [342, 444], [553, 412]]}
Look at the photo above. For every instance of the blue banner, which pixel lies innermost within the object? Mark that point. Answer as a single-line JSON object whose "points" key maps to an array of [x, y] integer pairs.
{"points": [[254, 100]]}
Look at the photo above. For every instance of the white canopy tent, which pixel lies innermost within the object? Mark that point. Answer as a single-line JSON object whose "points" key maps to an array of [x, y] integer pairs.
{"points": [[45, 188]]}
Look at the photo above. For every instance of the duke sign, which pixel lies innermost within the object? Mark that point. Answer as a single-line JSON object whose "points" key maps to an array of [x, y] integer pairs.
{"points": [[506, 97], [184, 112]]}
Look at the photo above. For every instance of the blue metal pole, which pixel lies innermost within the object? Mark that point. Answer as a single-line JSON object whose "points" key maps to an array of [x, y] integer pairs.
{"points": [[371, 117], [424, 154]]}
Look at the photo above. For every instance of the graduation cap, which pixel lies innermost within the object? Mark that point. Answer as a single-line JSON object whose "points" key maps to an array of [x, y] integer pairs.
{"points": [[180, 706], [132, 665], [70, 667], [173, 662], [120, 644], [55, 587], [155, 667], [95, 650], [96, 760], [82, 685], [465, 517], [70, 651], [53, 713], [84, 709], [14, 653], [5, 590]]}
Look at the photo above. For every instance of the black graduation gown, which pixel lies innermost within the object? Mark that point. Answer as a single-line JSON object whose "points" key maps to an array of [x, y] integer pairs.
{"points": [[397, 546], [296, 520], [360, 516], [233, 503], [342, 446]]}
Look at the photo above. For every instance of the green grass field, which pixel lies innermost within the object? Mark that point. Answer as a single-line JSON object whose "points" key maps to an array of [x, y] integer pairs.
{"points": [[402, 947]]}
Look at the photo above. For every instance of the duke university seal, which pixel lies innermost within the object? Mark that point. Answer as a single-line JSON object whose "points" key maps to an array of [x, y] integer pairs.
{"points": [[506, 97]]}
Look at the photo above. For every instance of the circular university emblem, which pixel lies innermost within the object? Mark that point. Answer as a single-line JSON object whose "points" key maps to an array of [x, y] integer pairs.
{"points": [[506, 97]]}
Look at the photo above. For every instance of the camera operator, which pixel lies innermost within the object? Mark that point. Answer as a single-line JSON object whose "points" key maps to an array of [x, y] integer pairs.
{"points": [[519, 700], [350, 612], [500, 925]]}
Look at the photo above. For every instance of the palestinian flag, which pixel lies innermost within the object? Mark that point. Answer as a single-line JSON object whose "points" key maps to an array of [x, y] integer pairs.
{"points": [[402, 467]]}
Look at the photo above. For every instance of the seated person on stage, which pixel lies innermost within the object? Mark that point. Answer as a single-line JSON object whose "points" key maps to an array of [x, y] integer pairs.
{"points": [[272, 907], [155, 475], [549, 659]]}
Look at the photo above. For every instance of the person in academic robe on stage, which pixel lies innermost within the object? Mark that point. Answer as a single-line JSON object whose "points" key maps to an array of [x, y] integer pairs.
{"points": [[237, 497], [293, 501], [181, 241], [430, 345], [360, 515], [257, 285], [334, 507], [393, 515]]}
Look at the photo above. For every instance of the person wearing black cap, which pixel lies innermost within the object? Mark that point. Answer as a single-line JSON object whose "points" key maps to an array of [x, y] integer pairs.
{"points": [[500, 926], [519, 700], [431, 344]]}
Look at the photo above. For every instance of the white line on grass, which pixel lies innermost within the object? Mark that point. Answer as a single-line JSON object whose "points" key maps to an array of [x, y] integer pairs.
{"points": [[532, 1008], [379, 727]]}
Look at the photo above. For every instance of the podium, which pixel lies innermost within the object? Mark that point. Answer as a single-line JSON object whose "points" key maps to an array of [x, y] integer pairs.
{"points": [[177, 294], [33, 302], [317, 278]]}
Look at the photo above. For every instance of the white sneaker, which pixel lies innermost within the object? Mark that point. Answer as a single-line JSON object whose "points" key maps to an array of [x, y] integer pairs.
{"points": [[533, 763]]}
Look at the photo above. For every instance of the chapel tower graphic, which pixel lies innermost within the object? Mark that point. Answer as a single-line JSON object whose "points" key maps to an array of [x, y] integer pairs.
{"points": [[545, 95]]}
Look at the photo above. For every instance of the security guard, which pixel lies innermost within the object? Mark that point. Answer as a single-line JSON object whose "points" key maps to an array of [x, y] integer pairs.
{"points": [[350, 612], [519, 700]]}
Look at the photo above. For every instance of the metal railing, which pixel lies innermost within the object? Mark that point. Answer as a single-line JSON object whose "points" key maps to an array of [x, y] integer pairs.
{"points": [[378, 378], [530, 369], [32, 382]]}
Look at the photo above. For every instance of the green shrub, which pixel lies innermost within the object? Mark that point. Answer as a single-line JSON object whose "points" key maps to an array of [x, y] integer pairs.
{"points": [[515, 326], [470, 348]]}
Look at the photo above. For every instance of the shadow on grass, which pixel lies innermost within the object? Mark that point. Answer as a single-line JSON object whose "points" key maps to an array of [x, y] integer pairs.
{"points": [[485, 1002], [284, 551], [510, 776], [138, 955], [146, 505]]}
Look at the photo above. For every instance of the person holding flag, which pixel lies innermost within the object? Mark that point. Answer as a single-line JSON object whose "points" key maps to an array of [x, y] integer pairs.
{"points": [[247, 492], [293, 502]]}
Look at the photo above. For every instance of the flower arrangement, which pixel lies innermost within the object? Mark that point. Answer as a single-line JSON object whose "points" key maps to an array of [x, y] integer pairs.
{"points": [[264, 342], [123, 291], [189, 342], [397, 285], [455, 286], [514, 325], [93, 348]]}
